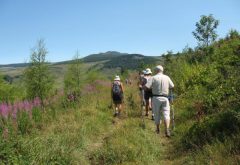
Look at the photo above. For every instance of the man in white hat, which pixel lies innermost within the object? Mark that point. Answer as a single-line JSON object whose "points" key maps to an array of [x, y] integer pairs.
{"points": [[117, 95], [160, 85]]}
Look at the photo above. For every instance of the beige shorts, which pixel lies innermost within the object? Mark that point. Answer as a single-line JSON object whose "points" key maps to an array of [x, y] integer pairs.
{"points": [[161, 104]]}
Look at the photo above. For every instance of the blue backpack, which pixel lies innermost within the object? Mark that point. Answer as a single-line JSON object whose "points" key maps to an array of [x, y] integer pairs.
{"points": [[116, 89]]}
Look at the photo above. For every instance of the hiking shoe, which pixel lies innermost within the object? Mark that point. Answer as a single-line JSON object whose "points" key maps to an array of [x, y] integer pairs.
{"points": [[158, 131], [152, 117], [115, 114], [146, 114], [167, 133]]}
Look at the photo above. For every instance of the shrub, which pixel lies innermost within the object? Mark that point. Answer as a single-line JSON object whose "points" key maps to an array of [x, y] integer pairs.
{"points": [[215, 127], [37, 117], [24, 123]]}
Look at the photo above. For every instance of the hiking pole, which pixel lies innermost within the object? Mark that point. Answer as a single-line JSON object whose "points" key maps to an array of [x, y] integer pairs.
{"points": [[173, 117], [142, 111]]}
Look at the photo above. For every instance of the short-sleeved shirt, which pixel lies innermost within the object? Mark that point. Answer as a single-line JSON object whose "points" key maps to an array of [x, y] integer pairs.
{"points": [[160, 84]]}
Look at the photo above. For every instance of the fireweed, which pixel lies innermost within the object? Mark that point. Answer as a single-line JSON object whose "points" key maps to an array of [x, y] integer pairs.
{"points": [[22, 113]]}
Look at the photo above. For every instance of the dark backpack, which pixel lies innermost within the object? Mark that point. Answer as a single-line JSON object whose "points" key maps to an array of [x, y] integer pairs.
{"points": [[144, 81], [116, 89]]}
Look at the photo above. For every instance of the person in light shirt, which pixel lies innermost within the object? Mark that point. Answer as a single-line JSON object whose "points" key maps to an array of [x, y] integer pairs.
{"points": [[160, 85]]}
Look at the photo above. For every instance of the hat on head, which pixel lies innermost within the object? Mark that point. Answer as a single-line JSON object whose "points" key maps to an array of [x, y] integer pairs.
{"points": [[117, 78], [159, 67], [148, 71]]}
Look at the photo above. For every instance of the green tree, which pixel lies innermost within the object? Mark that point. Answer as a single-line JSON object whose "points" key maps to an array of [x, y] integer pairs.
{"points": [[72, 79], [233, 34], [37, 76], [205, 30]]}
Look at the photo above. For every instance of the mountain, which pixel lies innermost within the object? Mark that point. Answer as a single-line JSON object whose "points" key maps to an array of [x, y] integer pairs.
{"points": [[14, 65], [103, 56], [130, 61], [110, 59]]}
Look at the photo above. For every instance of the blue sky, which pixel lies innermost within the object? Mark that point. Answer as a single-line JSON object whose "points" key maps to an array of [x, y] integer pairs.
{"points": [[149, 27]]}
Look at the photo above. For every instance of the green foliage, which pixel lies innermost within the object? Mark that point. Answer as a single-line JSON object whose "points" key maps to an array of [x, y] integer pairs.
{"points": [[216, 127], [208, 100], [205, 30], [38, 79], [24, 123], [9, 92], [233, 34], [7, 154], [37, 117], [73, 76], [6, 92]]}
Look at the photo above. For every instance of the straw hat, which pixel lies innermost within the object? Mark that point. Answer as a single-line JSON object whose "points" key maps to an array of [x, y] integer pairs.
{"points": [[148, 71], [117, 78]]}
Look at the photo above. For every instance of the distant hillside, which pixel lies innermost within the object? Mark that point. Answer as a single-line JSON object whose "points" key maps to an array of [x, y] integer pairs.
{"points": [[96, 57], [15, 65], [103, 56], [110, 59], [130, 61]]}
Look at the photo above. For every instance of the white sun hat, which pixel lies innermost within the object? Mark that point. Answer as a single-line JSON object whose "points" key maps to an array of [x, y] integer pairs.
{"points": [[117, 78], [148, 71], [159, 67]]}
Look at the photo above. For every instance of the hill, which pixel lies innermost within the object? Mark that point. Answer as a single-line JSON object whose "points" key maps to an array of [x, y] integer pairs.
{"points": [[103, 56], [130, 61], [14, 65]]}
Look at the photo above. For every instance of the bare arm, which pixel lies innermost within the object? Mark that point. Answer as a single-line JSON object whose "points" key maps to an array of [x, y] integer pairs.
{"points": [[148, 85], [171, 85], [121, 85]]}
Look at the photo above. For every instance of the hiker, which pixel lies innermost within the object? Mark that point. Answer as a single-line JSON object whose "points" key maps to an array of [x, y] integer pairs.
{"points": [[140, 83], [160, 85], [117, 95], [126, 81], [147, 92], [130, 82]]}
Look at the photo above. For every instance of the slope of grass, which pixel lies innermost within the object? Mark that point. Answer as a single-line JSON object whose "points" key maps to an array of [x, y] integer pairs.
{"points": [[90, 135]]}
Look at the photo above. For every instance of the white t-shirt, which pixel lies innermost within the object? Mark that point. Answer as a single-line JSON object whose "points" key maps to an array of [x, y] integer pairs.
{"points": [[160, 84]]}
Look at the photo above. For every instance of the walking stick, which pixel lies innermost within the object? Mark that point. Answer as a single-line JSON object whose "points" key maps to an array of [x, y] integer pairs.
{"points": [[173, 117], [143, 121], [142, 111]]}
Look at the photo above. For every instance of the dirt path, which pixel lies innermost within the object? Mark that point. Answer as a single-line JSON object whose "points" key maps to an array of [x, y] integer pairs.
{"points": [[118, 123], [100, 140]]}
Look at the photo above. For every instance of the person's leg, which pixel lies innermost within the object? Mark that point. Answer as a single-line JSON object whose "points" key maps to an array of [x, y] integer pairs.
{"points": [[142, 97], [116, 109], [150, 103], [156, 111], [167, 124], [166, 114], [147, 107], [151, 107], [119, 108]]}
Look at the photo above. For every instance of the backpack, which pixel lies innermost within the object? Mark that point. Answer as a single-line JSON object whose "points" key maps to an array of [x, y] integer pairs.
{"points": [[116, 89], [144, 81]]}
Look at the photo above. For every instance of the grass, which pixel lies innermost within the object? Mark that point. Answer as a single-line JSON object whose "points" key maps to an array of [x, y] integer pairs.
{"points": [[89, 134]]}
